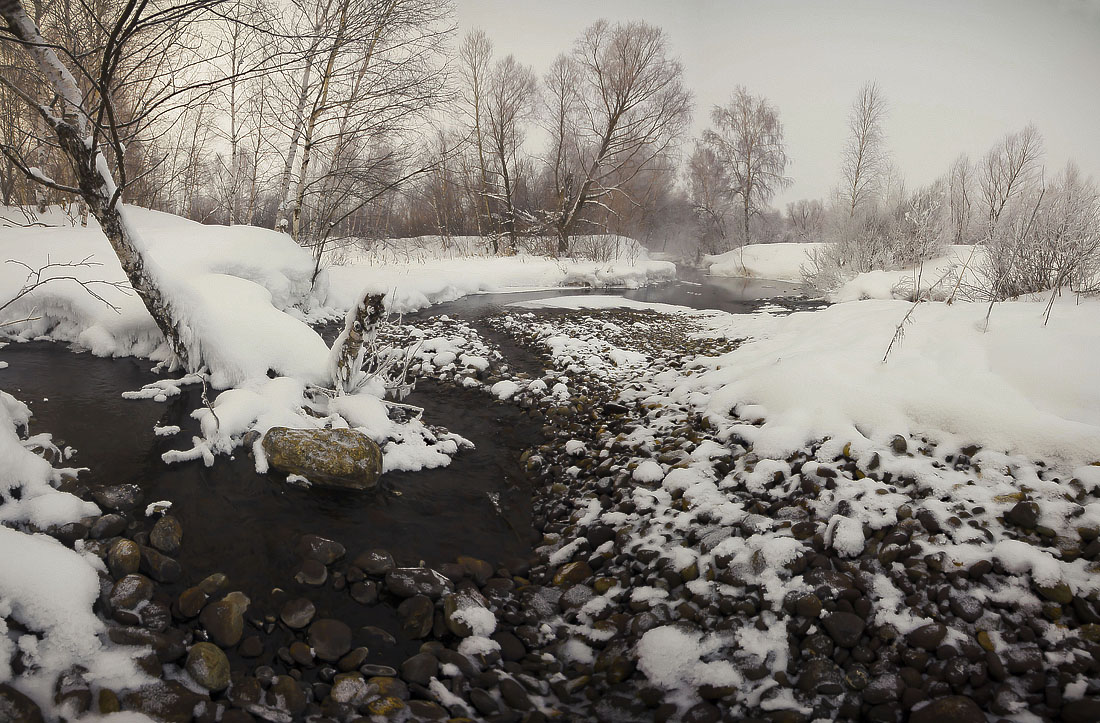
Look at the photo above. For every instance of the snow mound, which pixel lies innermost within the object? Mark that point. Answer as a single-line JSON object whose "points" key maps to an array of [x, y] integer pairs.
{"points": [[780, 262], [1019, 386], [231, 284]]}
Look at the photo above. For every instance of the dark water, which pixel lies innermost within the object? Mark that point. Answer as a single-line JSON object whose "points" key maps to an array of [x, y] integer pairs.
{"points": [[247, 525]]}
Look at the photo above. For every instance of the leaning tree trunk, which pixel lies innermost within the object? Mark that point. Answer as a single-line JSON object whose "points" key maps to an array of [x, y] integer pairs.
{"points": [[95, 183]]}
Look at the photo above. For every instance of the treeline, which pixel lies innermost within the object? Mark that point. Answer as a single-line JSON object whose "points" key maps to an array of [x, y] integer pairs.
{"points": [[333, 120]]}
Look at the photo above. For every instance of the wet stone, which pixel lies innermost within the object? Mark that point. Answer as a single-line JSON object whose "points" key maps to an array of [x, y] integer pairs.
{"points": [[15, 706], [297, 613], [123, 558], [224, 622], [420, 668], [372, 670], [844, 628], [330, 639], [409, 581], [352, 660], [130, 591], [159, 567], [927, 637], [109, 525], [572, 573], [118, 498], [514, 695], [251, 647], [966, 608], [190, 602], [301, 654], [375, 562], [166, 535], [312, 573], [1024, 514], [365, 593], [321, 549], [416, 615], [164, 701], [820, 676], [208, 666], [952, 709]]}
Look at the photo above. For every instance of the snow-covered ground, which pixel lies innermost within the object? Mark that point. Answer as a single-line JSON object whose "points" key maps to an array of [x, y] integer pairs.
{"points": [[415, 273], [785, 261], [781, 262], [961, 423]]}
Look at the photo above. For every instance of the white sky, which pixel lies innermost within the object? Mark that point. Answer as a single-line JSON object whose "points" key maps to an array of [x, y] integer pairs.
{"points": [[958, 75]]}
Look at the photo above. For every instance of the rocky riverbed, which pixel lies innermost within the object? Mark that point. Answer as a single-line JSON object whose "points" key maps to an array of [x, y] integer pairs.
{"points": [[677, 575]]}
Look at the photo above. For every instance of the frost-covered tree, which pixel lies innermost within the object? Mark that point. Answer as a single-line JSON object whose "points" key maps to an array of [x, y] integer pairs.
{"points": [[747, 139]]}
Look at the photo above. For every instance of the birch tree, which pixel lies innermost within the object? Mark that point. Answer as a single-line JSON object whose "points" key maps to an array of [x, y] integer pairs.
{"points": [[88, 127]]}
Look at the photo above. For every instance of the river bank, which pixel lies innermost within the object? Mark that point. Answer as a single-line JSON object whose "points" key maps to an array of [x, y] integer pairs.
{"points": [[677, 573]]}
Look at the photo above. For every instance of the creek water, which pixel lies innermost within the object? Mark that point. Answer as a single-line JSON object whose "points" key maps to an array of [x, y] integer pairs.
{"points": [[247, 525]]}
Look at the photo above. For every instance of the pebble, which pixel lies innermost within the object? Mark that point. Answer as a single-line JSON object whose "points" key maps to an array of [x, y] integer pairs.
{"points": [[320, 549], [123, 558], [224, 622], [208, 666], [166, 535], [844, 628], [330, 639], [297, 613], [409, 581]]}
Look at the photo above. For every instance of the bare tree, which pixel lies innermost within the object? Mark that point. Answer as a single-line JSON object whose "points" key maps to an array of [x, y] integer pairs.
{"points": [[747, 138], [474, 66], [864, 162], [509, 102], [711, 200], [627, 108], [961, 198]]}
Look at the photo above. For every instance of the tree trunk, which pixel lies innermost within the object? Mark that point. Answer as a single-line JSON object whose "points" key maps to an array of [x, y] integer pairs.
{"points": [[95, 182]]}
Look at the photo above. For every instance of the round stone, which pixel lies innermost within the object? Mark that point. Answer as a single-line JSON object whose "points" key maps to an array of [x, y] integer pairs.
{"points": [[297, 613], [124, 558], [208, 666], [330, 639], [224, 622], [166, 535]]}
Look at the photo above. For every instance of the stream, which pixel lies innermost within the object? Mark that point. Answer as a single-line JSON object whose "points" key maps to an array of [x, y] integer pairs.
{"points": [[247, 525]]}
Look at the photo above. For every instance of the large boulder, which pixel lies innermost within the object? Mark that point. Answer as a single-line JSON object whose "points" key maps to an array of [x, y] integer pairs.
{"points": [[341, 458]]}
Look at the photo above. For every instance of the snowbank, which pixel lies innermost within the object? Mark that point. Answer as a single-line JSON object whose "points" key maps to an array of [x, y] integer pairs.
{"points": [[1020, 387], [231, 284], [415, 273], [781, 262], [937, 278], [44, 586]]}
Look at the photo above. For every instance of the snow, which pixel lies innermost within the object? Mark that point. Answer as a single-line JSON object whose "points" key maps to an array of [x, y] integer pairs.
{"points": [[415, 273], [649, 471], [1018, 386], [481, 620], [937, 278], [230, 284], [780, 262], [56, 607]]}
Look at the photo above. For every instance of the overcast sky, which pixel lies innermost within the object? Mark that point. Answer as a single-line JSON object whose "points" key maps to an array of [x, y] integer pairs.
{"points": [[957, 74]]}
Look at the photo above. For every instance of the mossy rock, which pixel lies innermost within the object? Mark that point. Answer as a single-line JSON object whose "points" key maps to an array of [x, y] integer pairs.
{"points": [[340, 458]]}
